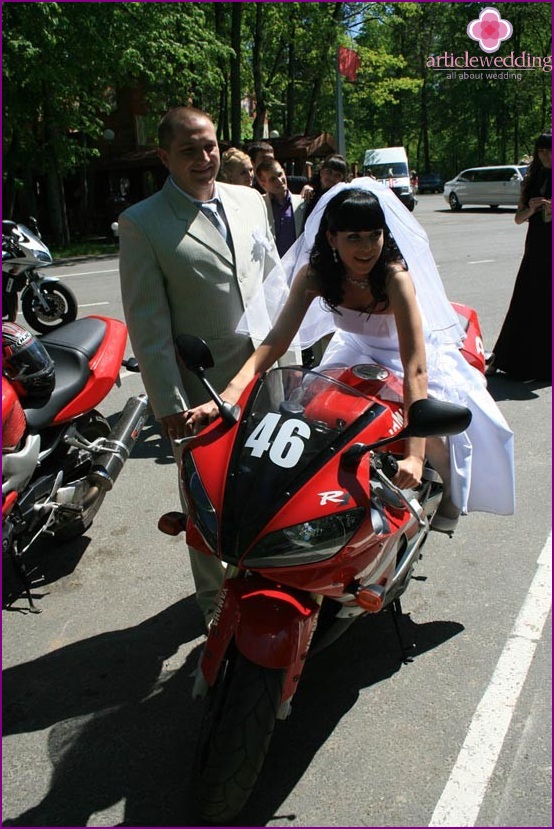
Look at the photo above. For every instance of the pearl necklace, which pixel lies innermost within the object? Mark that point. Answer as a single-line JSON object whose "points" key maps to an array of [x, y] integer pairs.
{"points": [[359, 283]]}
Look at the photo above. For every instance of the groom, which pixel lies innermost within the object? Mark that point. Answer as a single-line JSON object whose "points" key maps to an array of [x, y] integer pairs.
{"points": [[191, 257]]}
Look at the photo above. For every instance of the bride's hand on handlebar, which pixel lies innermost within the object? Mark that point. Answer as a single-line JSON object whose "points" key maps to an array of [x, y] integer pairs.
{"points": [[409, 473], [200, 417]]}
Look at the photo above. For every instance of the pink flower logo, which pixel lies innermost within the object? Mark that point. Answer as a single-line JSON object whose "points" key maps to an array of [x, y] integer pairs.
{"points": [[489, 30]]}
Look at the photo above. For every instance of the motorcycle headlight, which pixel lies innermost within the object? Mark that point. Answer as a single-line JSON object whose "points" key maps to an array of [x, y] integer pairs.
{"points": [[202, 508], [309, 542]]}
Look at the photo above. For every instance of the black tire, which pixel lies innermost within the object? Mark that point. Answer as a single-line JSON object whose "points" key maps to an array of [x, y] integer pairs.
{"points": [[453, 202], [62, 304], [91, 426], [237, 724]]}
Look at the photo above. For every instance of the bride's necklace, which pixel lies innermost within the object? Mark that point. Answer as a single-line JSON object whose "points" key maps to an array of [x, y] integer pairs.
{"points": [[359, 283]]}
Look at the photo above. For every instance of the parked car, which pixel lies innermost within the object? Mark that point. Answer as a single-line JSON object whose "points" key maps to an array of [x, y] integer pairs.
{"points": [[430, 183], [485, 185]]}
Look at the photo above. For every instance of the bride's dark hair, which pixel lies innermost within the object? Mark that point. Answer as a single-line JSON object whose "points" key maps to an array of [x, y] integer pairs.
{"points": [[354, 211]]}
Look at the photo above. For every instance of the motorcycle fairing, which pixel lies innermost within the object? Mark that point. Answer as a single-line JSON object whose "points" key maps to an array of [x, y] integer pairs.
{"points": [[13, 418], [287, 435], [472, 348], [272, 627]]}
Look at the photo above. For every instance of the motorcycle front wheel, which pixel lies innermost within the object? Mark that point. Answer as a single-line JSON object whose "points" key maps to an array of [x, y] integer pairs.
{"points": [[62, 307], [235, 731]]}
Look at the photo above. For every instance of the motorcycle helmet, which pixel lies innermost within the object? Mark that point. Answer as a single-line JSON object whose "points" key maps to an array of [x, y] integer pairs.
{"points": [[27, 365]]}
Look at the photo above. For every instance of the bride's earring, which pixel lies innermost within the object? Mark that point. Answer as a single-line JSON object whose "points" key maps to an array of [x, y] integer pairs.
{"points": [[335, 256]]}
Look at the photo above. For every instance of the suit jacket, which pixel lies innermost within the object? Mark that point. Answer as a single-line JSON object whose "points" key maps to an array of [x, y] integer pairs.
{"points": [[178, 275], [298, 208]]}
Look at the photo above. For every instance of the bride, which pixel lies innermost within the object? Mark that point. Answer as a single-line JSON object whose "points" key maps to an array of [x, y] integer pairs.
{"points": [[364, 271]]}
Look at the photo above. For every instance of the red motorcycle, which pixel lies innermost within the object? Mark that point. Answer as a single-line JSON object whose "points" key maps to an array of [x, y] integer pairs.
{"points": [[59, 454], [292, 489]]}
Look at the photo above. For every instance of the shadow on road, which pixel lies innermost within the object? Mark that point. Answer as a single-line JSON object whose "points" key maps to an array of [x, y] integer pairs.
{"points": [[503, 387], [121, 728], [468, 211]]}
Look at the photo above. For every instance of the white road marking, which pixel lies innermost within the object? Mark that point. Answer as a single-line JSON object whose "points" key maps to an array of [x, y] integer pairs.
{"points": [[465, 790], [480, 261], [92, 304], [85, 273]]}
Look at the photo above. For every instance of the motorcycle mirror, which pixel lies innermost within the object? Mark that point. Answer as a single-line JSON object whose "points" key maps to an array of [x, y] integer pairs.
{"points": [[436, 417], [8, 227], [425, 419], [197, 357], [195, 353], [33, 225]]}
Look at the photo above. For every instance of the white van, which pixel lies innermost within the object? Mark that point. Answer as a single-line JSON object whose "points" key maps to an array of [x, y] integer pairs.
{"points": [[389, 165], [486, 185]]}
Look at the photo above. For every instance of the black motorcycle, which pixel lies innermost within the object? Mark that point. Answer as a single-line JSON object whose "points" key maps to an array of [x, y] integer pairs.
{"points": [[46, 303]]}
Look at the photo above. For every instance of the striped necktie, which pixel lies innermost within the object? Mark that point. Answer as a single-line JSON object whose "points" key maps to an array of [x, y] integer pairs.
{"points": [[209, 209]]}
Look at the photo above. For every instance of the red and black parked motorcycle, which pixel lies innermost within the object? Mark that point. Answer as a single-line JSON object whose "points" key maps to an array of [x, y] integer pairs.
{"points": [[59, 454], [292, 489]]}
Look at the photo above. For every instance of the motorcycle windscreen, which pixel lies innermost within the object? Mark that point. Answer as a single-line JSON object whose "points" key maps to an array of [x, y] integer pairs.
{"points": [[296, 421]]}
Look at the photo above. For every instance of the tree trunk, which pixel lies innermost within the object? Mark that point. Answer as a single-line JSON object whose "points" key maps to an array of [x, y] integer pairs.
{"points": [[257, 69], [326, 46], [291, 96], [222, 127], [236, 125], [55, 199], [55, 196]]}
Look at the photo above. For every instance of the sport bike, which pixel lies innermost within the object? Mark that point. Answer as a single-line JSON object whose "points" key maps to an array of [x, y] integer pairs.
{"points": [[60, 456], [46, 303], [292, 488]]}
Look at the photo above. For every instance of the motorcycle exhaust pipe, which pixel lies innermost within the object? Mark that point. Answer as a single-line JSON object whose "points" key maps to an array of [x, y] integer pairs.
{"points": [[120, 441]]}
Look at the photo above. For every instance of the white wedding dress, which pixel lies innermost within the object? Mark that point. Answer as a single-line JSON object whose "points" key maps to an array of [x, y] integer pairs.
{"points": [[482, 457]]}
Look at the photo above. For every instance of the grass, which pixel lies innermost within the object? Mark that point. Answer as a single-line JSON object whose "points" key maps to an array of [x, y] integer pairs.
{"points": [[90, 247]]}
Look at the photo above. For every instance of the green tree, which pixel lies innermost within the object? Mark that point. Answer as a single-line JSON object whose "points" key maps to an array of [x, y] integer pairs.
{"points": [[61, 59]]}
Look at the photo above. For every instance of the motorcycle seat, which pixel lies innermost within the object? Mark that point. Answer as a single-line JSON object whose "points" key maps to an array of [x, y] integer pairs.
{"points": [[71, 347]]}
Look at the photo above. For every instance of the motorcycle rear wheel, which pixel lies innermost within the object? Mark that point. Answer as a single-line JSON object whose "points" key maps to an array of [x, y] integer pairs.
{"points": [[92, 426], [62, 305], [238, 721]]}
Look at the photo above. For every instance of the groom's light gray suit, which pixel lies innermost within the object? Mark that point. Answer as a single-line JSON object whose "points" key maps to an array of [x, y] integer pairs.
{"points": [[179, 276]]}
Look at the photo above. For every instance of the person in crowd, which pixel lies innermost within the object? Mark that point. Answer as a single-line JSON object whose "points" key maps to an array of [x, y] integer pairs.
{"points": [[333, 171], [284, 209], [192, 255], [353, 277], [258, 151], [236, 167], [523, 349], [286, 219]]}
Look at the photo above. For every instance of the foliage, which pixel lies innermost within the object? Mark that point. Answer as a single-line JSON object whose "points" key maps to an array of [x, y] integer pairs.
{"points": [[249, 64]]}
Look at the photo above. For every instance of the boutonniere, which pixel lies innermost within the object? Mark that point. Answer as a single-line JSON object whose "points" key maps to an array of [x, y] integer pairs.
{"points": [[261, 242]]}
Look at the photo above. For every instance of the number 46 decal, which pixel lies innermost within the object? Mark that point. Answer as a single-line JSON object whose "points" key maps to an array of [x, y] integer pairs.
{"points": [[285, 445]]}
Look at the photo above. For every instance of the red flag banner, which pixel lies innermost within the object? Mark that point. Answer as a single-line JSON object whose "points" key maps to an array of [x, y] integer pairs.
{"points": [[349, 63]]}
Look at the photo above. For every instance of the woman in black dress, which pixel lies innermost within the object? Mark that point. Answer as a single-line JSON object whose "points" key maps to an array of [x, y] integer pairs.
{"points": [[524, 347]]}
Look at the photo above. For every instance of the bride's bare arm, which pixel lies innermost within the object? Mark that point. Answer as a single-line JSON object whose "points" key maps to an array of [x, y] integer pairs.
{"points": [[412, 354]]}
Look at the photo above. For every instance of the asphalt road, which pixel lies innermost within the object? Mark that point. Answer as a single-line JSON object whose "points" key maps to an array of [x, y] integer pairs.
{"points": [[99, 724]]}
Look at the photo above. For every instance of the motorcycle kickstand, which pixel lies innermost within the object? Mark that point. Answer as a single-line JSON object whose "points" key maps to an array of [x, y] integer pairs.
{"points": [[26, 581], [405, 649]]}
